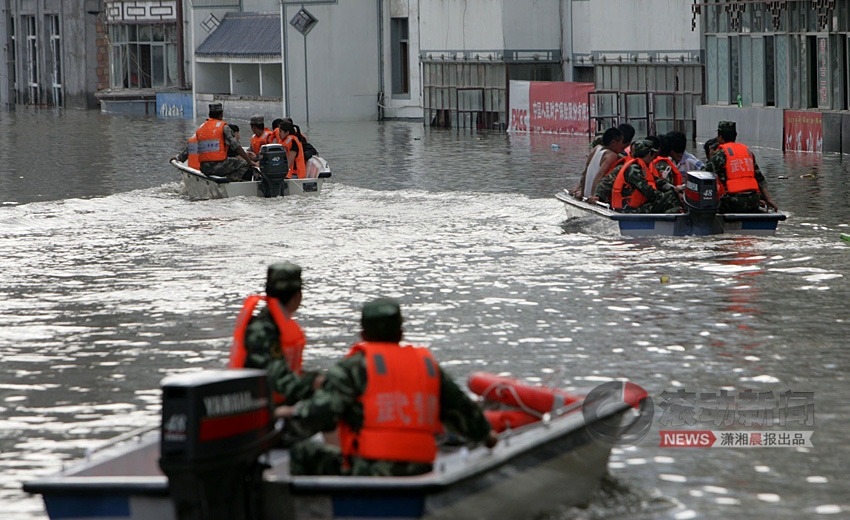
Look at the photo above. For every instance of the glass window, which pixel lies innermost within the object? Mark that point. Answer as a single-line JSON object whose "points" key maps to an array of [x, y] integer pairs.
{"points": [[143, 56], [399, 56]]}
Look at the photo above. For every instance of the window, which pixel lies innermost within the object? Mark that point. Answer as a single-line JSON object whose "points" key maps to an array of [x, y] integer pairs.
{"points": [[56, 58], [400, 56], [143, 56], [32, 60], [13, 58]]}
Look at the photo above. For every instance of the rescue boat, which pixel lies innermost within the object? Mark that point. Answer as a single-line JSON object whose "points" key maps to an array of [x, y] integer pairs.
{"points": [[699, 218], [216, 454], [271, 181]]}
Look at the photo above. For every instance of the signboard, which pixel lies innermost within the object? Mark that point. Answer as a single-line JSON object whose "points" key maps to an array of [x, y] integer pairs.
{"points": [[823, 74], [303, 21], [556, 107], [803, 131], [174, 106]]}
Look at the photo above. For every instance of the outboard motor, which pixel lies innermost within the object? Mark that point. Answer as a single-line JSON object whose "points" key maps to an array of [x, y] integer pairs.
{"points": [[701, 202], [274, 168], [215, 425]]}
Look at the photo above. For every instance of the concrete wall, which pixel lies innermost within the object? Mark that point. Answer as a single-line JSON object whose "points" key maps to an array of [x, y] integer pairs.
{"points": [[615, 25], [472, 25], [458, 25], [343, 69], [756, 126]]}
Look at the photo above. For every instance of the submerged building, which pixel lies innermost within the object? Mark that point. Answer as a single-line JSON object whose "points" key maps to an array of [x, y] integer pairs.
{"points": [[659, 64]]}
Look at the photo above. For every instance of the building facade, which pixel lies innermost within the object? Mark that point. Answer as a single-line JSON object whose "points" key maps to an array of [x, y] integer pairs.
{"points": [[50, 53], [772, 57]]}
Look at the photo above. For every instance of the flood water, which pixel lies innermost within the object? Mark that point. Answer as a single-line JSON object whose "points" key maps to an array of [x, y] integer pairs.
{"points": [[111, 279]]}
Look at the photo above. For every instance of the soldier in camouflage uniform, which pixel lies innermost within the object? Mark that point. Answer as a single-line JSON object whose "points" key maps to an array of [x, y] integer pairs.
{"points": [[340, 402], [236, 167], [664, 198], [262, 337], [741, 202]]}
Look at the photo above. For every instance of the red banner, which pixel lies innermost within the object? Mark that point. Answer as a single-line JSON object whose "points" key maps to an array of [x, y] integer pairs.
{"points": [[558, 107], [803, 131]]}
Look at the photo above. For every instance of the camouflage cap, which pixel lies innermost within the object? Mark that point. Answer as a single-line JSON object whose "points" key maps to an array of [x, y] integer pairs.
{"points": [[642, 148], [381, 316], [216, 107], [726, 126], [258, 120], [283, 277]]}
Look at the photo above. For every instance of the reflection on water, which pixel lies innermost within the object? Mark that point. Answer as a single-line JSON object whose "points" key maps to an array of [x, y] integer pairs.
{"points": [[112, 280]]}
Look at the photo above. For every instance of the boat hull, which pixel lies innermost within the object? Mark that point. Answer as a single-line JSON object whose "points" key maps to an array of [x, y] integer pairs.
{"points": [[533, 469], [201, 187], [672, 224]]}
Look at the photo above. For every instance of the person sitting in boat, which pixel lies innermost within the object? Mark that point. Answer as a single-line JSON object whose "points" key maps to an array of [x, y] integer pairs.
{"points": [[740, 183], [637, 190], [709, 147], [260, 134], [272, 340], [388, 402], [684, 160], [294, 151], [601, 160], [663, 165], [606, 183], [215, 140], [628, 134], [309, 150]]}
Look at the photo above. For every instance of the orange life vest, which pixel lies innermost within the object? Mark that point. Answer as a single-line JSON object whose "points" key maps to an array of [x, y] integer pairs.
{"points": [[297, 168], [211, 145], [675, 175], [194, 161], [292, 340], [740, 168], [636, 199], [258, 141], [401, 405], [275, 137]]}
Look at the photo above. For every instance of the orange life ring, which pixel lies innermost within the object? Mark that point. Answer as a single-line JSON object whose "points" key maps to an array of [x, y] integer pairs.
{"points": [[514, 392]]}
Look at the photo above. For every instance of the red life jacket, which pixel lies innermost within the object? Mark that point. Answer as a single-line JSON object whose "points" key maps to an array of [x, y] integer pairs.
{"points": [[675, 175], [292, 340], [636, 199], [401, 405], [194, 161], [297, 168], [740, 168], [211, 145], [259, 141]]}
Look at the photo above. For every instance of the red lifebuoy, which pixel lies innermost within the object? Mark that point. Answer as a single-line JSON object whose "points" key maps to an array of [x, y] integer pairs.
{"points": [[514, 392]]}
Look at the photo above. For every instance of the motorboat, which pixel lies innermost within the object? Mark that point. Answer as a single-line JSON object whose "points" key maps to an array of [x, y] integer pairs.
{"points": [[700, 216], [217, 454], [270, 180]]}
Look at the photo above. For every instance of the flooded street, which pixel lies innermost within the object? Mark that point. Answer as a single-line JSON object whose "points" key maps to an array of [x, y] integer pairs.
{"points": [[111, 279]]}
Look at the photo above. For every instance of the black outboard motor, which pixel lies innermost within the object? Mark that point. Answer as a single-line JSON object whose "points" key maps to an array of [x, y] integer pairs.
{"points": [[701, 202], [215, 425], [274, 168]]}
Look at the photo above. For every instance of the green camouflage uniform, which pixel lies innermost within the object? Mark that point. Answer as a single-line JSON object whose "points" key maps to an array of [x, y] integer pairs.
{"points": [[262, 341], [234, 168], [747, 202], [337, 400], [662, 199]]}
